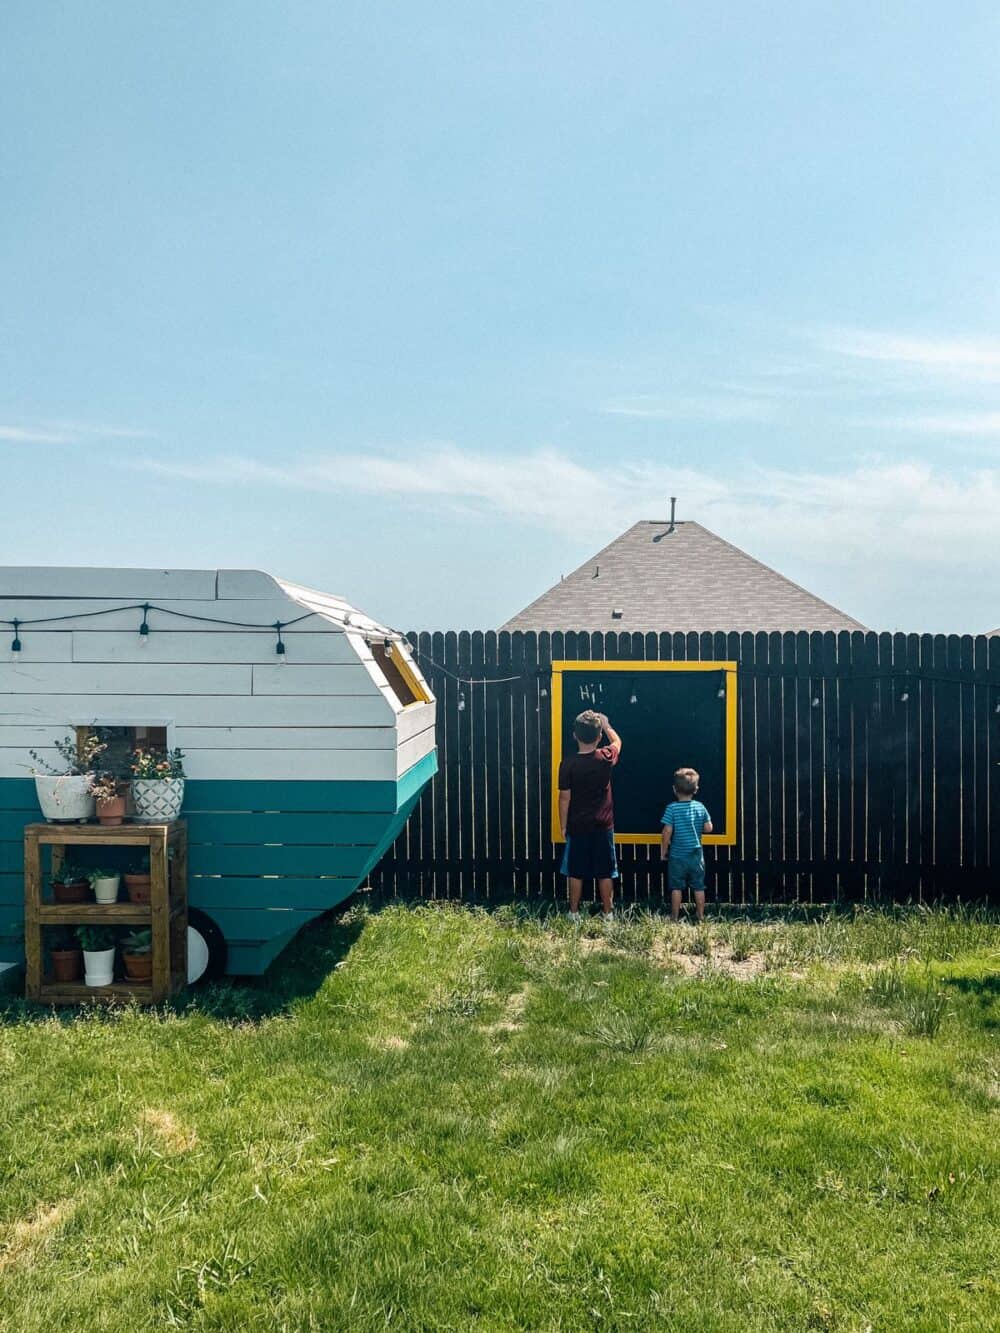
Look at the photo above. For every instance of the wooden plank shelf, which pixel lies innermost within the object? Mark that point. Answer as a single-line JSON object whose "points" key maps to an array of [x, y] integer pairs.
{"points": [[75, 992], [165, 913]]}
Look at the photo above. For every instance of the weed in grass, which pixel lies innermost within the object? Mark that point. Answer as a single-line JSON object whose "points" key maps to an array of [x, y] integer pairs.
{"points": [[923, 1009], [467, 999], [626, 1032], [742, 942], [195, 1284], [699, 942], [885, 986]]}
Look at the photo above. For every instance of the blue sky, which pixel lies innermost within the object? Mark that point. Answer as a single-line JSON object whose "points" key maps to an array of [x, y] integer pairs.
{"points": [[424, 303]]}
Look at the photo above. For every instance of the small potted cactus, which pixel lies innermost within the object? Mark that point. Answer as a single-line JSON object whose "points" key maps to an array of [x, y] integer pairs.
{"points": [[64, 950], [70, 884], [98, 945], [137, 955], [105, 885]]}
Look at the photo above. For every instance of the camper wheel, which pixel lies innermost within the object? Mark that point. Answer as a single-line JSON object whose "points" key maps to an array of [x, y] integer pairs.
{"points": [[206, 948]]}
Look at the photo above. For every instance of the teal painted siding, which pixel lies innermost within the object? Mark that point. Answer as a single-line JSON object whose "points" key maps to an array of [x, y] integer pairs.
{"points": [[265, 857]]}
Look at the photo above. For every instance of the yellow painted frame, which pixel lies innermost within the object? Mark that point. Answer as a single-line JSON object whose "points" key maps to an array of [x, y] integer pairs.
{"points": [[408, 670], [727, 839]]}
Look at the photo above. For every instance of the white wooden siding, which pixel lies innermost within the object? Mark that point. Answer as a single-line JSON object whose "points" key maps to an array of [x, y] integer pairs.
{"points": [[145, 585], [412, 751], [193, 710], [195, 646], [323, 711]]}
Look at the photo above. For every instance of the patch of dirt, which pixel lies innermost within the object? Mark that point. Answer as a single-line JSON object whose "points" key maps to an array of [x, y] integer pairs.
{"points": [[173, 1136], [512, 1018], [24, 1238], [691, 964], [389, 1043]]}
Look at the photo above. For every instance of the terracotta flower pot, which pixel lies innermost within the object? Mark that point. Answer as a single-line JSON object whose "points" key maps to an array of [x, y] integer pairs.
{"points": [[67, 964], [112, 812], [138, 966], [138, 887], [76, 891]]}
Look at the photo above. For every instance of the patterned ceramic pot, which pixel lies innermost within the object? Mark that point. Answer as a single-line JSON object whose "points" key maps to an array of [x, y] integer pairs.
{"points": [[157, 800], [65, 800]]}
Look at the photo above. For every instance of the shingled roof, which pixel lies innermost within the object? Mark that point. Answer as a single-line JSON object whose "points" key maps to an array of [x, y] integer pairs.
{"points": [[658, 576]]}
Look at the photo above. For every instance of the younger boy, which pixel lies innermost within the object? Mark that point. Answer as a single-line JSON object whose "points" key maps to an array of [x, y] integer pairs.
{"points": [[586, 811], [684, 821]]}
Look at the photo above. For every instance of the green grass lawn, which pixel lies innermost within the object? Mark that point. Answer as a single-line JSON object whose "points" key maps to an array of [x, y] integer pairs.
{"points": [[436, 1118]]}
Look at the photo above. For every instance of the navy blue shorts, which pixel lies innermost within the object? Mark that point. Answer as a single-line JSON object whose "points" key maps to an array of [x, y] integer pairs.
{"points": [[686, 871], [591, 855]]}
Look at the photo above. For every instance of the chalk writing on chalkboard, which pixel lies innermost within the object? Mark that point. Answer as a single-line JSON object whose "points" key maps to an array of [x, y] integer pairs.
{"points": [[670, 715]]}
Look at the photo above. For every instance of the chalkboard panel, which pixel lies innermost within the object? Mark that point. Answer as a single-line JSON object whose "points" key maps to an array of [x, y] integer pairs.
{"points": [[669, 715]]}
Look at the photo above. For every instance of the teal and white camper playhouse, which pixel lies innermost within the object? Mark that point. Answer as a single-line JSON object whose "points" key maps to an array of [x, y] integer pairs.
{"points": [[308, 730]]}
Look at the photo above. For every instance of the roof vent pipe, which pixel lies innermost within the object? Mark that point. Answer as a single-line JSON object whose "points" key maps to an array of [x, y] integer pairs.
{"points": [[673, 524]]}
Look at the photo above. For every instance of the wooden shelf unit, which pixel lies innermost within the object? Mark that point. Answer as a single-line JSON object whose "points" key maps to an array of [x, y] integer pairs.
{"points": [[165, 914]]}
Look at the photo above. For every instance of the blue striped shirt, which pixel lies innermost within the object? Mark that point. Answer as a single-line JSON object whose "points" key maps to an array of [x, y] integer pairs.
{"points": [[687, 819]]}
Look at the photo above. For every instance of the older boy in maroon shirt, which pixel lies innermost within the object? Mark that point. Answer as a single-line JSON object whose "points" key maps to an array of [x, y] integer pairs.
{"points": [[586, 811]]}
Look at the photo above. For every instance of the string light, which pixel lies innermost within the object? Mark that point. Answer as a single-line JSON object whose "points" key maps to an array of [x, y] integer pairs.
{"points": [[144, 627], [279, 647], [815, 702], [387, 645], [15, 647], [461, 702], [904, 696]]}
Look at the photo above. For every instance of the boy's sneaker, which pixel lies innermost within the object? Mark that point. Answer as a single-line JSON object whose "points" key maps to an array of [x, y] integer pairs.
{"points": [[607, 920], [575, 918]]}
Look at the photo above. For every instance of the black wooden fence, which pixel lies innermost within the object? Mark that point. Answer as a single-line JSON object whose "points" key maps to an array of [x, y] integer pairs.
{"points": [[868, 767]]}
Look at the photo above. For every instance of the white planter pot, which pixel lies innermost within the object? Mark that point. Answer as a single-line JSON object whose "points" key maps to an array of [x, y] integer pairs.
{"points": [[157, 800], [65, 800], [99, 968], [106, 890]]}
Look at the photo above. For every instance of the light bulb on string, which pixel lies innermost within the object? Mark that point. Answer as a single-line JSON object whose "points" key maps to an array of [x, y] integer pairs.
{"points": [[387, 645], [722, 687], [279, 646], [15, 646], [461, 702], [633, 698], [144, 627], [904, 696]]}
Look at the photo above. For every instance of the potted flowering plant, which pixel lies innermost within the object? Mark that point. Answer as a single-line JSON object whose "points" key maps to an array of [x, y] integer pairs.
{"points": [[98, 944], [157, 785], [107, 792], [64, 950], [64, 789], [105, 885], [70, 884], [137, 955]]}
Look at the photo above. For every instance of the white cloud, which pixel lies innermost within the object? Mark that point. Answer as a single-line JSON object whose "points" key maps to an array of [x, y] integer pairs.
{"points": [[904, 511], [972, 423], [68, 432], [32, 435], [738, 406], [962, 359]]}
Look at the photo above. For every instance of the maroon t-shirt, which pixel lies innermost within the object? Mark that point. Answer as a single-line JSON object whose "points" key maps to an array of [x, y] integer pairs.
{"points": [[587, 778]]}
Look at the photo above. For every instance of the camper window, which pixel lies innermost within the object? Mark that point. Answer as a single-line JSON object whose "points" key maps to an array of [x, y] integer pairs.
{"points": [[122, 739], [397, 668]]}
